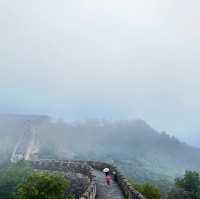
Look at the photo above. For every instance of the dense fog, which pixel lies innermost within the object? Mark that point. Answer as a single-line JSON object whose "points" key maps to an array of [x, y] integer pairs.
{"points": [[103, 59], [107, 82]]}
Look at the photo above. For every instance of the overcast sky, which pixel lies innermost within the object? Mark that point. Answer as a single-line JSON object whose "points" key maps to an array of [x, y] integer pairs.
{"points": [[118, 59]]}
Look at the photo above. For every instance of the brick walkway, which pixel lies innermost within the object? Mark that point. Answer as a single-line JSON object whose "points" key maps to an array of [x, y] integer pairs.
{"points": [[105, 191]]}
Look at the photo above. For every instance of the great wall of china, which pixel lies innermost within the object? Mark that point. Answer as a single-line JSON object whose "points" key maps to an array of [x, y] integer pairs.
{"points": [[97, 188]]}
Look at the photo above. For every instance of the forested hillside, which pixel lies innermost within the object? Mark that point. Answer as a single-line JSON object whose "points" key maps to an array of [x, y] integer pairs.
{"points": [[121, 140], [137, 149]]}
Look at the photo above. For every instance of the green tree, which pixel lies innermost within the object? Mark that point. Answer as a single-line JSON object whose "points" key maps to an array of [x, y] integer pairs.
{"points": [[11, 177], [178, 193], [190, 183], [148, 190], [42, 185], [187, 187]]}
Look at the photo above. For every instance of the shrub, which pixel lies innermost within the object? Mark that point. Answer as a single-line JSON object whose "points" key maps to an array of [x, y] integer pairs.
{"points": [[42, 185], [11, 177], [148, 190], [187, 187]]}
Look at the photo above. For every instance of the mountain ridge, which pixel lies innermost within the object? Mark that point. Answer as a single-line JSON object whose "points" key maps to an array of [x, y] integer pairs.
{"points": [[130, 144]]}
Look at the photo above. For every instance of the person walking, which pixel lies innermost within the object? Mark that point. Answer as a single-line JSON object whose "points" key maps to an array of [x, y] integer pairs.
{"points": [[108, 176], [108, 179]]}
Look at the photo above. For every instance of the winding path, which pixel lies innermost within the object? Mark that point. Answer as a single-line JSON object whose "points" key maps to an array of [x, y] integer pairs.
{"points": [[105, 191], [98, 189]]}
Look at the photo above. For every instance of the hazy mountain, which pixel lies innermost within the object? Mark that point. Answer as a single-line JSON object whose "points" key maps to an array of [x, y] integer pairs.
{"points": [[12, 128], [134, 146]]}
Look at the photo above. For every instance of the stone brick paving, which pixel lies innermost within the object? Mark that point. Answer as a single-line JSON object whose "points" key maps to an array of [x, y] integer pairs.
{"points": [[105, 191]]}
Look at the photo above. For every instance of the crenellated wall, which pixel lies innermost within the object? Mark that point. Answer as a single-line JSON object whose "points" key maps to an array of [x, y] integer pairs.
{"points": [[86, 168], [70, 166], [122, 181]]}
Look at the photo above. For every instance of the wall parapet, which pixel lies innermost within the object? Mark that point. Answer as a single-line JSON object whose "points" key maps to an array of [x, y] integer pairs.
{"points": [[87, 168], [123, 182], [70, 166]]}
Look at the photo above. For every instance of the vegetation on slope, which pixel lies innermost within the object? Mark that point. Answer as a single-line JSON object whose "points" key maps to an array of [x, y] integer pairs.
{"points": [[138, 150], [11, 177], [19, 181], [156, 152], [42, 185], [148, 190], [187, 187]]}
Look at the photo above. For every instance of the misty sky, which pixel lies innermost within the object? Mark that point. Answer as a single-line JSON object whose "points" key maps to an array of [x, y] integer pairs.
{"points": [[114, 59]]}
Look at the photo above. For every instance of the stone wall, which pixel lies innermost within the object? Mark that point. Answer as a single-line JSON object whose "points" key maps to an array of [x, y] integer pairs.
{"points": [[123, 182], [86, 168], [70, 166]]}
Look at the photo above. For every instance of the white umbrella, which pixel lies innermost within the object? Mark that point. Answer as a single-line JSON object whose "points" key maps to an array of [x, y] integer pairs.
{"points": [[106, 170]]}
